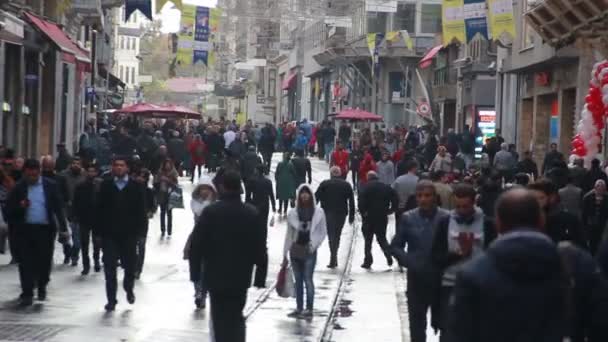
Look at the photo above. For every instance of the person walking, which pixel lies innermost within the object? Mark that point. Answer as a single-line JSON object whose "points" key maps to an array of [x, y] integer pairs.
{"points": [[415, 231], [249, 163], [595, 214], [122, 221], [338, 201], [386, 169], [164, 182], [198, 150], [228, 240], [340, 158], [85, 213], [442, 161], [203, 195], [73, 176], [505, 162], [285, 177], [306, 231], [143, 178], [405, 187], [177, 151], [459, 237], [303, 168], [367, 165], [355, 163], [259, 193], [267, 145], [571, 197], [7, 183], [35, 208], [376, 201], [524, 287], [48, 172]]}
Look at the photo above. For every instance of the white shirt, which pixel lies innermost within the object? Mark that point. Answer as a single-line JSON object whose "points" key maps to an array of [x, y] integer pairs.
{"points": [[229, 137]]}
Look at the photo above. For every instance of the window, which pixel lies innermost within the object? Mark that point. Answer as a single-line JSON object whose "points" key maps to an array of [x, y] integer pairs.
{"points": [[127, 75], [134, 16], [405, 18], [122, 42], [122, 72], [135, 43], [430, 18], [527, 33], [376, 22], [272, 82], [441, 76], [132, 74], [261, 88]]}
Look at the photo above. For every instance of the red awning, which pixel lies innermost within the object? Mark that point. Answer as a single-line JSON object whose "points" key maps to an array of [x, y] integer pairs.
{"points": [[148, 110], [426, 61], [357, 115], [289, 82], [71, 51]]}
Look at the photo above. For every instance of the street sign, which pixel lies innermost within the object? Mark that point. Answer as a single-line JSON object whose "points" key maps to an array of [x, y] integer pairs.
{"points": [[424, 109]]}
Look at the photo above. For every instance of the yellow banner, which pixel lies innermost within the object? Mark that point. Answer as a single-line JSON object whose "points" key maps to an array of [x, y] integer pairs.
{"points": [[453, 21], [161, 3], [407, 39], [392, 36], [500, 19], [241, 118], [371, 43], [185, 44]]}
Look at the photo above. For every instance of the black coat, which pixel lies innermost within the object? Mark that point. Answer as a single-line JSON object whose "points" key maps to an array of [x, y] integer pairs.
{"points": [[260, 192], [85, 203], [122, 214], [564, 226], [336, 197], [377, 200], [229, 240], [177, 150], [215, 143], [515, 292], [54, 205], [528, 166], [249, 162], [303, 168]]}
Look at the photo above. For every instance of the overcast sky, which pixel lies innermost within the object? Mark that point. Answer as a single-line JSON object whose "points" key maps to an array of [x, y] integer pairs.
{"points": [[171, 16]]}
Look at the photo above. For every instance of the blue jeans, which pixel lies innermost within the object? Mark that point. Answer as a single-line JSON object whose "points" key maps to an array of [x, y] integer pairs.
{"points": [[329, 148], [303, 270]]}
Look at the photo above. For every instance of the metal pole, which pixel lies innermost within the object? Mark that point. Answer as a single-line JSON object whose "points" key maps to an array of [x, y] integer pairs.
{"points": [[93, 68]]}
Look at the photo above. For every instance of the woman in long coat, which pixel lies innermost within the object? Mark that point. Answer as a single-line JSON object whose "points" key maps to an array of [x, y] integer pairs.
{"points": [[285, 177]]}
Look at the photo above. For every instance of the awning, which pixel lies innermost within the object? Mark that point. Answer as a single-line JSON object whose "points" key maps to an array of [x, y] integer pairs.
{"points": [[112, 79], [71, 51], [289, 82], [427, 60]]}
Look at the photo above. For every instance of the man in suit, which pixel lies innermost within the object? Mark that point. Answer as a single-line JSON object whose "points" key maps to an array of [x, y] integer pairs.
{"points": [[35, 209], [122, 221], [229, 240]]}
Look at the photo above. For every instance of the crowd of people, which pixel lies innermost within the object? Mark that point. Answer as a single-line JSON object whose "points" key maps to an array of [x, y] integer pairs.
{"points": [[495, 249]]}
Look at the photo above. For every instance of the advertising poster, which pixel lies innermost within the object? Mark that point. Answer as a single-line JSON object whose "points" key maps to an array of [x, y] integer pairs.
{"points": [[500, 15], [201, 36], [452, 21], [185, 44], [475, 21], [486, 128]]}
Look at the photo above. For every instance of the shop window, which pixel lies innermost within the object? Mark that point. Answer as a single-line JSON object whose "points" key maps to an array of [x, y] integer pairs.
{"points": [[430, 18], [405, 18]]}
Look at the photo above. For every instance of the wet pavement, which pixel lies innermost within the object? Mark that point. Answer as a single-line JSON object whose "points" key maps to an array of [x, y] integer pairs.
{"points": [[351, 304]]}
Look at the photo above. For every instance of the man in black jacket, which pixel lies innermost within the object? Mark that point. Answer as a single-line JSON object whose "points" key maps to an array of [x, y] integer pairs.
{"points": [[376, 201], [266, 145], [525, 288], [122, 220], [249, 163], [48, 172], [334, 194], [229, 240], [459, 237], [35, 208], [302, 167], [85, 213]]}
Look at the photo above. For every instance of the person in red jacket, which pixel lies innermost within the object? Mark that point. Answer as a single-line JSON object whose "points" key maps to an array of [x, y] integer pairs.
{"points": [[197, 149], [367, 165], [339, 158]]}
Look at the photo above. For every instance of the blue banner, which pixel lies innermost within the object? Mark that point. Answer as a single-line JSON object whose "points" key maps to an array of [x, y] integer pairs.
{"points": [[475, 18], [144, 6], [201, 35]]}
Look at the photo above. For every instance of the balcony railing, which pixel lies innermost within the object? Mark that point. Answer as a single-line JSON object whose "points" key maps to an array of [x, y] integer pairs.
{"points": [[90, 10]]}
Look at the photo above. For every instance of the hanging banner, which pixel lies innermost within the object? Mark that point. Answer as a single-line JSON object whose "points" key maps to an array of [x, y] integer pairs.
{"points": [[201, 36], [161, 3], [376, 57], [185, 44], [144, 6], [502, 26], [407, 39], [475, 19], [452, 21], [371, 43], [392, 36]]}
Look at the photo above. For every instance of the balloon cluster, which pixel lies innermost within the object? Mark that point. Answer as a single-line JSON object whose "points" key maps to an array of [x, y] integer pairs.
{"points": [[586, 143]]}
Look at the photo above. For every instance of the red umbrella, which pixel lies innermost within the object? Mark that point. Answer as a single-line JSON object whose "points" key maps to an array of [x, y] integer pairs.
{"points": [[357, 114], [149, 110]]}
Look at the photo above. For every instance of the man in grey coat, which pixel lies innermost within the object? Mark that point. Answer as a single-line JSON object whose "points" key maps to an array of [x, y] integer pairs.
{"points": [[571, 197], [504, 162]]}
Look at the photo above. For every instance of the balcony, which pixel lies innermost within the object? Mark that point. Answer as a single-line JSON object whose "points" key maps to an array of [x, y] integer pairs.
{"points": [[560, 22], [89, 10], [112, 3]]}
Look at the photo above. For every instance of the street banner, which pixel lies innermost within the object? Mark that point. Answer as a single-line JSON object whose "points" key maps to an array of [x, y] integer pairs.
{"points": [[452, 21], [392, 36], [371, 43], [144, 6], [502, 26], [185, 44], [475, 19], [161, 3], [407, 39], [201, 36]]}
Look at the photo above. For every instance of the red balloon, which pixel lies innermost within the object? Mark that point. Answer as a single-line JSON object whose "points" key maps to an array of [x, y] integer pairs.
{"points": [[577, 143]]}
